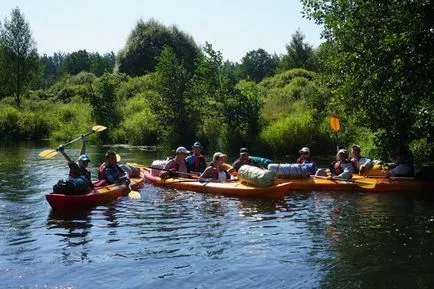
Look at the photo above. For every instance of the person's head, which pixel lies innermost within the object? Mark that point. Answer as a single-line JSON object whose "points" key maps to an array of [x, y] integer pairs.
{"points": [[218, 159], [355, 150], [110, 158], [342, 155], [244, 154], [181, 152], [83, 161], [305, 152], [197, 148]]}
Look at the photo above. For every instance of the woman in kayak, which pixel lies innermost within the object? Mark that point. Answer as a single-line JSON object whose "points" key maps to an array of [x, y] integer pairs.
{"points": [[216, 169], [79, 168], [110, 172]]}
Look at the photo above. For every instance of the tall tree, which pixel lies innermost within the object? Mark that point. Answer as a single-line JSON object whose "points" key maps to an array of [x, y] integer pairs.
{"points": [[147, 41], [298, 54], [19, 55], [76, 62], [381, 64], [258, 64], [173, 106]]}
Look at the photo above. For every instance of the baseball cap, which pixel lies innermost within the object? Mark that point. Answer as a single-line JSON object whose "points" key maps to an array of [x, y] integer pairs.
{"points": [[244, 151], [197, 145], [84, 158], [218, 155], [182, 150], [305, 150]]}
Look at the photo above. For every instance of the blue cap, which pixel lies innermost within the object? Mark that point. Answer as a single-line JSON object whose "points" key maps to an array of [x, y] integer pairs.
{"points": [[84, 158]]}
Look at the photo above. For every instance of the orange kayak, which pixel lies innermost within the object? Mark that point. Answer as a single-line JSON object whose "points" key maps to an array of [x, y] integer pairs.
{"points": [[228, 188], [94, 197], [359, 183]]}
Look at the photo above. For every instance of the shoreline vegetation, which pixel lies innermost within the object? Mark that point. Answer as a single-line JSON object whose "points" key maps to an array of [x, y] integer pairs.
{"points": [[162, 89]]}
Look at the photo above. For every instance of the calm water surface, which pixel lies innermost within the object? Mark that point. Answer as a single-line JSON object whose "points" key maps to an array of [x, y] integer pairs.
{"points": [[175, 239]]}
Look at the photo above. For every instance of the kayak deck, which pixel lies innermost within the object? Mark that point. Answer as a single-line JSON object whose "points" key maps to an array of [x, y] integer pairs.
{"points": [[228, 188], [95, 197], [356, 184]]}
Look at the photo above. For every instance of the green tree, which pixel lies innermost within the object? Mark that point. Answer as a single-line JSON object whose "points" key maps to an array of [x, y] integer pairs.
{"points": [[105, 102], [173, 107], [298, 54], [52, 70], [20, 62], [147, 41], [258, 64], [76, 62], [101, 63], [380, 64]]}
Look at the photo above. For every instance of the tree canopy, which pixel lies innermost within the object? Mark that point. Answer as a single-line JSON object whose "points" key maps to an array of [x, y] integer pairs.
{"points": [[147, 41]]}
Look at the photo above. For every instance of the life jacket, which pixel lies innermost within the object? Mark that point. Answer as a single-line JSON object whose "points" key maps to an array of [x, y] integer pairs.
{"points": [[215, 174], [76, 171], [102, 175], [337, 167], [198, 165]]}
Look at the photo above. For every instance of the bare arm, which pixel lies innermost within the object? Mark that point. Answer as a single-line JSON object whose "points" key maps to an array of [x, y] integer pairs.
{"points": [[83, 146], [61, 149]]}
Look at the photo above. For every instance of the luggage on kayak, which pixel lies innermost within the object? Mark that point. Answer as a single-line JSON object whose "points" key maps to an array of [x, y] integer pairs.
{"points": [[289, 170], [157, 166], [72, 186], [373, 168], [263, 162], [256, 176]]}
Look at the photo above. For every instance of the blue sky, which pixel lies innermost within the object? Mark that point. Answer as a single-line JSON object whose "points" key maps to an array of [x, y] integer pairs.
{"points": [[232, 27]]}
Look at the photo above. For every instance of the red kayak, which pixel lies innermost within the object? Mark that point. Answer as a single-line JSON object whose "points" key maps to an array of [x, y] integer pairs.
{"points": [[95, 197]]}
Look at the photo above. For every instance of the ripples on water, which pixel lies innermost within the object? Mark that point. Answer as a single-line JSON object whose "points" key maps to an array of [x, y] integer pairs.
{"points": [[174, 239]]}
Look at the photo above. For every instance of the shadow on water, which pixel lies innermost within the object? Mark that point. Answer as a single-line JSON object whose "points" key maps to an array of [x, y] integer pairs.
{"points": [[374, 238]]}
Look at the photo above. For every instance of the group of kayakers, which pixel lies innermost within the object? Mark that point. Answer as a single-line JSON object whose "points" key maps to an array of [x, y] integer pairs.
{"points": [[188, 164], [345, 165]]}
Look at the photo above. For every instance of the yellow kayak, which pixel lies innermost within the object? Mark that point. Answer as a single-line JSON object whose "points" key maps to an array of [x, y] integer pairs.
{"points": [[228, 188]]}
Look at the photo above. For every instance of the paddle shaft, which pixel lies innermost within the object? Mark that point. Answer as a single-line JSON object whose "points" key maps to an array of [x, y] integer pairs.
{"points": [[187, 174], [77, 139]]}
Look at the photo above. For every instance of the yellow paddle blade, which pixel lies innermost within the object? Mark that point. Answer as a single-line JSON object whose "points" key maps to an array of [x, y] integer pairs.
{"points": [[366, 183], [118, 158], [99, 128], [134, 195], [335, 123], [47, 154]]}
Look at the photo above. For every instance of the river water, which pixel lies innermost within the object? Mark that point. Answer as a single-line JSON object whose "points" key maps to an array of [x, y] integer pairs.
{"points": [[176, 239]]}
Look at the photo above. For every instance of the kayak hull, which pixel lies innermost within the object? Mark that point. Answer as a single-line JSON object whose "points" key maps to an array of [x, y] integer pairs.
{"points": [[382, 184], [95, 197], [229, 188]]}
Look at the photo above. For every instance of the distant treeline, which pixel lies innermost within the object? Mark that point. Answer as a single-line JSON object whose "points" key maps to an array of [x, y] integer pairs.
{"points": [[163, 89]]}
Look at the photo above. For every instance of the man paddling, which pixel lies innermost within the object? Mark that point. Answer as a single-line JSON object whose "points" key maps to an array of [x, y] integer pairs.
{"points": [[80, 168]]}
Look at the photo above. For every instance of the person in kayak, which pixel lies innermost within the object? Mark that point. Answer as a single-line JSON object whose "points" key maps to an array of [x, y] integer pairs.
{"points": [[176, 167], [357, 158], [402, 166], [342, 168], [79, 168], [244, 160], [110, 172], [196, 162], [216, 169], [306, 160]]}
